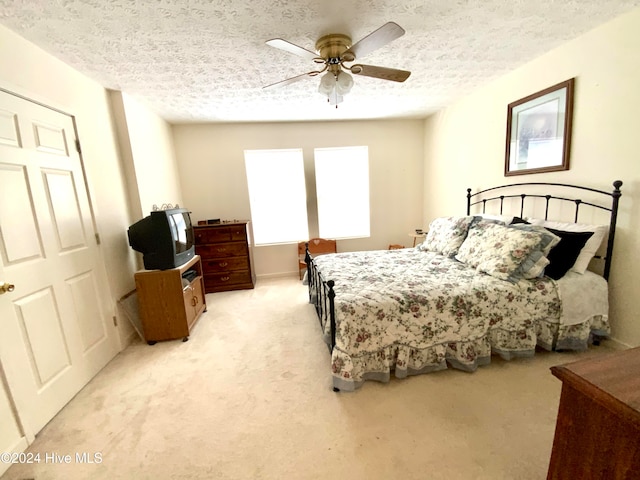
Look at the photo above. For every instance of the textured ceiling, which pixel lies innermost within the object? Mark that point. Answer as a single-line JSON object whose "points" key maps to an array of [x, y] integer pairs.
{"points": [[206, 60]]}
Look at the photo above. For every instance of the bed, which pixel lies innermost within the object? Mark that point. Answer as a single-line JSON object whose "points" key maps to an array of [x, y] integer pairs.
{"points": [[482, 284]]}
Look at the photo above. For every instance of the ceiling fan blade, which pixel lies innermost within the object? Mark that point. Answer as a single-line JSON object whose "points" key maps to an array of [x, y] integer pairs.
{"points": [[292, 48], [384, 73], [376, 39], [297, 78]]}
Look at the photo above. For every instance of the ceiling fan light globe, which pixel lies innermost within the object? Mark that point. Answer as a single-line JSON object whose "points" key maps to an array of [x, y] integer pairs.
{"points": [[344, 83], [324, 90], [327, 83]]}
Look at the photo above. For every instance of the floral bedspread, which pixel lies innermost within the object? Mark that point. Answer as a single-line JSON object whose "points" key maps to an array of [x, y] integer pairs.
{"points": [[409, 312]]}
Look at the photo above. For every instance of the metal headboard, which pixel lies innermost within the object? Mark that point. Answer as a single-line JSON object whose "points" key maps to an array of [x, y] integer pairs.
{"points": [[479, 198]]}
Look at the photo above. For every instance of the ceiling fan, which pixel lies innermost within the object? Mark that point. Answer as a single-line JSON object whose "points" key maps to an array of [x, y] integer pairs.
{"points": [[334, 51]]}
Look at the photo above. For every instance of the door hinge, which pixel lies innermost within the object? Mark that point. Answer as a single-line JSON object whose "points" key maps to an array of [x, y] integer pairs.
{"points": [[115, 321], [78, 149], [98, 238]]}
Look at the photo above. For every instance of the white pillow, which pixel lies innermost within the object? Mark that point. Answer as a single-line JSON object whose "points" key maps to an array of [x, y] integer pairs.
{"points": [[590, 248]]}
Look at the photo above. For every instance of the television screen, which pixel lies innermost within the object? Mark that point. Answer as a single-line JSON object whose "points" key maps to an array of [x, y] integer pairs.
{"points": [[165, 238], [181, 231]]}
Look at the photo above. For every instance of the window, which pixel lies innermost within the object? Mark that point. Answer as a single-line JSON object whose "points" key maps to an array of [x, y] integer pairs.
{"points": [[277, 195], [342, 186]]}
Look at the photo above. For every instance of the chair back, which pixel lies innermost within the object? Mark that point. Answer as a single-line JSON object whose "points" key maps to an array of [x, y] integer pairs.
{"points": [[317, 246]]}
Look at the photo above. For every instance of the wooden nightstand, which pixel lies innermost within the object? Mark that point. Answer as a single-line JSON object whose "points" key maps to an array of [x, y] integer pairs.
{"points": [[416, 236]]}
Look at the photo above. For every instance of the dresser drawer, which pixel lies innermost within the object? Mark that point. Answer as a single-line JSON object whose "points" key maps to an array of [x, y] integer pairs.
{"points": [[226, 264], [221, 250], [232, 233], [212, 235], [219, 280], [238, 233]]}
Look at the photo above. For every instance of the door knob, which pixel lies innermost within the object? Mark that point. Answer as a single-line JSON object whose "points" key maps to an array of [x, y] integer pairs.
{"points": [[6, 287]]}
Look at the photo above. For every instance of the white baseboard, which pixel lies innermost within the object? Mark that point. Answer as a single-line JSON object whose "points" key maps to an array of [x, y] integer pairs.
{"points": [[617, 344], [278, 275]]}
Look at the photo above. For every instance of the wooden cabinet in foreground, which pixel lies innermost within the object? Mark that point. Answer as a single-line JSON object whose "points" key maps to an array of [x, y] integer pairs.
{"points": [[170, 301], [598, 427]]}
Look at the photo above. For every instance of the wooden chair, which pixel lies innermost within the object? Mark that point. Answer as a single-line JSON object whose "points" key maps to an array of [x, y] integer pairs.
{"points": [[317, 246]]}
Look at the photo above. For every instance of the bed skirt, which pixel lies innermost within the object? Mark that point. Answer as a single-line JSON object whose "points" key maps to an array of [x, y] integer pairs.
{"points": [[350, 372]]}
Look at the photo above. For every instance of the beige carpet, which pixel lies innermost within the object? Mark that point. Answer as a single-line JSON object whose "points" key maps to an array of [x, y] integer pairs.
{"points": [[249, 397]]}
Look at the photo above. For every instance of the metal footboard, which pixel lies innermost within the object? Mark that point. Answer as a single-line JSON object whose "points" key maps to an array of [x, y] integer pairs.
{"points": [[322, 296]]}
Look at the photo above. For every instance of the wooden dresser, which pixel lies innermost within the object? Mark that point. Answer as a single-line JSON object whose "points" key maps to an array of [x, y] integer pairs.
{"points": [[598, 427], [226, 250]]}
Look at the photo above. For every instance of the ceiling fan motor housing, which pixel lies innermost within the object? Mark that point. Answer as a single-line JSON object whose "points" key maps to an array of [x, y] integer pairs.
{"points": [[332, 47]]}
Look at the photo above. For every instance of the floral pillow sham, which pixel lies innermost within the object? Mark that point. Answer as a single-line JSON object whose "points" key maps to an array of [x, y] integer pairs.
{"points": [[505, 252], [446, 234]]}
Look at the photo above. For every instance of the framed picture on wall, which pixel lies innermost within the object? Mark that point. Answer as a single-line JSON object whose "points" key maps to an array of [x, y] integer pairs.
{"points": [[539, 131]]}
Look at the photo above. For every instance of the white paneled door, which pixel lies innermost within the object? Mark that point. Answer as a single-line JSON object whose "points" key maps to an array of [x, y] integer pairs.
{"points": [[55, 335]]}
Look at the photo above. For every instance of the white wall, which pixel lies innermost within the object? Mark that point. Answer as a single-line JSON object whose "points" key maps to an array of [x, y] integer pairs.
{"points": [[151, 142], [465, 144], [145, 145], [211, 157]]}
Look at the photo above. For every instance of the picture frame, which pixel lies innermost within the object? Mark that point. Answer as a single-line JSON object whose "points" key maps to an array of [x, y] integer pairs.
{"points": [[539, 131]]}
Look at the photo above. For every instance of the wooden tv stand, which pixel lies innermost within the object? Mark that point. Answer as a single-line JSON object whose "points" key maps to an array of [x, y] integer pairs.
{"points": [[170, 304]]}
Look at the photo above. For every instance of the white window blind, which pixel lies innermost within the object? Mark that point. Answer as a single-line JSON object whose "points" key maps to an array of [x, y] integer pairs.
{"points": [[277, 195], [342, 188]]}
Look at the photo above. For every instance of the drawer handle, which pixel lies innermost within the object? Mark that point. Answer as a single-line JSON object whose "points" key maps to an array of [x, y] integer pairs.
{"points": [[222, 249], [223, 264], [225, 279]]}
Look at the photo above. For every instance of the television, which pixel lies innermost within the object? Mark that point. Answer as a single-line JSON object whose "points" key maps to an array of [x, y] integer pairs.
{"points": [[164, 237]]}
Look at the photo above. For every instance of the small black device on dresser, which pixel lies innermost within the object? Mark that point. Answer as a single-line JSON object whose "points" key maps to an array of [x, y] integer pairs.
{"points": [[226, 250]]}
